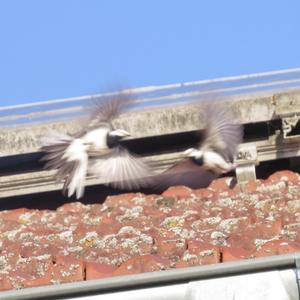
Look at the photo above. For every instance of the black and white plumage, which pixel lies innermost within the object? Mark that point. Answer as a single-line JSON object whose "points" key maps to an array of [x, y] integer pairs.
{"points": [[221, 139], [210, 158], [96, 150]]}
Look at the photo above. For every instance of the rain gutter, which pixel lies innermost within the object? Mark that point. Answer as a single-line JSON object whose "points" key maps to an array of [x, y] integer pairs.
{"points": [[171, 280]]}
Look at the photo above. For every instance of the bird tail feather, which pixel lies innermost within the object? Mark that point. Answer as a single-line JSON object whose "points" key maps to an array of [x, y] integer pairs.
{"points": [[69, 157]]}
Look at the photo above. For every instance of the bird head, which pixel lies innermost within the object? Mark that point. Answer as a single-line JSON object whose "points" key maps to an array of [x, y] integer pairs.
{"points": [[114, 136]]}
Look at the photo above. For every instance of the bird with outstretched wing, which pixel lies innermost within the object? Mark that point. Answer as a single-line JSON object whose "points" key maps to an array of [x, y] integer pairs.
{"points": [[96, 150], [212, 156]]}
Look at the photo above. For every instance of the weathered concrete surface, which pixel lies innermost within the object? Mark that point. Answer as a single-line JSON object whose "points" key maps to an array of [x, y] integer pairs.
{"points": [[149, 122], [41, 181], [156, 120]]}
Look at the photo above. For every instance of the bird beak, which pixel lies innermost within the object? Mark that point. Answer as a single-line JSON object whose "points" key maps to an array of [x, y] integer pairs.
{"points": [[125, 133], [120, 132]]}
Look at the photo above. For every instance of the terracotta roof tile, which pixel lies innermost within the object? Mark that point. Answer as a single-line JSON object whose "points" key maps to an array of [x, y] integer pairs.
{"points": [[97, 270], [235, 253], [199, 253], [276, 247], [134, 233]]}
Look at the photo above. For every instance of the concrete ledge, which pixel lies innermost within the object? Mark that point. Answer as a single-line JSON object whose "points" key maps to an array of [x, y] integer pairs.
{"points": [[153, 121]]}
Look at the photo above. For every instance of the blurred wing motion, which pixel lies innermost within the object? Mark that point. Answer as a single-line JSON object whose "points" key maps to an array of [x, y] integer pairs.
{"points": [[70, 158], [221, 139], [185, 172], [105, 109], [221, 134], [121, 169]]}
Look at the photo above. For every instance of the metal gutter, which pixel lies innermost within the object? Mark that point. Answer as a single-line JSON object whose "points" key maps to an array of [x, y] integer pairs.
{"points": [[256, 81], [156, 279], [259, 286]]}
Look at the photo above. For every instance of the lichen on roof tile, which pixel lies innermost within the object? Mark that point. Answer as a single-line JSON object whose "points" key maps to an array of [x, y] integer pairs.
{"points": [[132, 233]]}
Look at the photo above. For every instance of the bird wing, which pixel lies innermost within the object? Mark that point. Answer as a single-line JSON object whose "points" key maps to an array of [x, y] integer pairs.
{"points": [[70, 158], [70, 155], [185, 172], [54, 145], [121, 169], [103, 110], [221, 133]]}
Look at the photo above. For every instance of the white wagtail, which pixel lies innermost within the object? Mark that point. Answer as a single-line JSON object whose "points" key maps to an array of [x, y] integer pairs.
{"points": [[96, 150], [213, 156]]}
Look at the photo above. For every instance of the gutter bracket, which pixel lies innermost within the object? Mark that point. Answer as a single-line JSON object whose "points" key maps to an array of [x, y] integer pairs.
{"points": [[245, 161], [288, 123]]}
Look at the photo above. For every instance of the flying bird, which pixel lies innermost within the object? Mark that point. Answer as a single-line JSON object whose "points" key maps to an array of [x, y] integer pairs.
{"points": [[96, 150], [212, 156]]}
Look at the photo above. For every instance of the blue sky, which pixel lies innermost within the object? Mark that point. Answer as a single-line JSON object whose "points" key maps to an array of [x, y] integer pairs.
{"points": [[63, 48]]}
